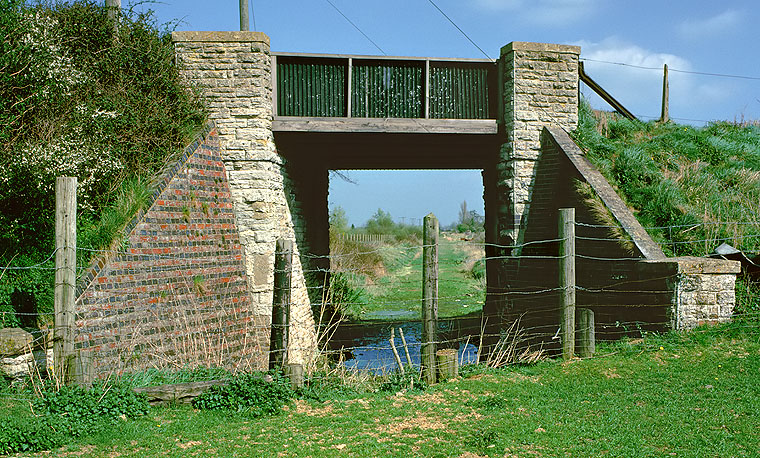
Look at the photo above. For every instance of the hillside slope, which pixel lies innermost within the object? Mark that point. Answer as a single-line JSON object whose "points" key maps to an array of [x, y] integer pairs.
{"points": [[691, 188]]}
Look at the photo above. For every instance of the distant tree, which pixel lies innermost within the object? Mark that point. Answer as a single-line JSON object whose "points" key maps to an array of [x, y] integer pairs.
{"points": [[338, 219], [380, 223], [463, 213]]}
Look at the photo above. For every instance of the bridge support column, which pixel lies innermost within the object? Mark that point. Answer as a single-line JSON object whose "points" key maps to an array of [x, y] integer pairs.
{"points": [[539, 88], [233, 72]]}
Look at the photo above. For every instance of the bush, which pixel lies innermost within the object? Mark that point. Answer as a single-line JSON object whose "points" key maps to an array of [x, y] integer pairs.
{"points": [[77, 101], [251, 394], [28, 433], [79, 411]]}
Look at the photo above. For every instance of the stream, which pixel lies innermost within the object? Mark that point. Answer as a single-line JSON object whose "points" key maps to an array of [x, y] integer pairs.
{"points": [[366, 344]]}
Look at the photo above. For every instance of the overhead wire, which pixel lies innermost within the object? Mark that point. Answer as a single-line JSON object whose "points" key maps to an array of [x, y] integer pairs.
{"points": [[460, 29], [356, 27], [691, 72]]}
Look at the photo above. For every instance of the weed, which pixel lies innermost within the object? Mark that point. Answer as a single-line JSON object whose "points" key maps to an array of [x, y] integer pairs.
{"points": [[409, 380], [249, 393]]}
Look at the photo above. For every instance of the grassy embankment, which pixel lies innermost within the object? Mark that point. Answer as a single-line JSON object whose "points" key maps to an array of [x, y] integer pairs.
{"points": [[692, 188], [689, 395]]}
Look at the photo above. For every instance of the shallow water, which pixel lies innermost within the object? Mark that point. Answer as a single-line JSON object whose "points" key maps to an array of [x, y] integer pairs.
{"points": [[367, 345]]}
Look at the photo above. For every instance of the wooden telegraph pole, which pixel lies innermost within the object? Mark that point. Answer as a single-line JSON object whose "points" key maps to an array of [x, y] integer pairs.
{"points": [[65, 277], [665, 116], [429, 296], [244, 15], [113, 8]]}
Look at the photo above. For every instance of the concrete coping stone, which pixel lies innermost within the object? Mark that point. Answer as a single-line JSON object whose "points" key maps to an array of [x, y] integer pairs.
{"points": [[220, 37], [695, 265], [540, 47]]}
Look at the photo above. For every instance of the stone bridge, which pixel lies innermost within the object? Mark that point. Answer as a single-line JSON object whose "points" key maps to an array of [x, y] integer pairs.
{"points": [[283, 121]]}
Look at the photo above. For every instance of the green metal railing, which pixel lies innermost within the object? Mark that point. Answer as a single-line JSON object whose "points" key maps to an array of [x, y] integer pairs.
{"points": [[317, 86]]}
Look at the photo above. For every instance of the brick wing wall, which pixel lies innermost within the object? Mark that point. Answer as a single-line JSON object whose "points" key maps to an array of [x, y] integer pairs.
{"points": [[175, 293]]}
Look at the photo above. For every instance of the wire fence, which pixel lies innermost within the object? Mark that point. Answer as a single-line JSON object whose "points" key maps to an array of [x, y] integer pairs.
{"points": [[190, 322]]}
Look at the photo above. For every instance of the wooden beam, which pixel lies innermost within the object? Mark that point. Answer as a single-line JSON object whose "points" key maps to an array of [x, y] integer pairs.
{"points": [[604, 94], [368, 57], [385, 125]]}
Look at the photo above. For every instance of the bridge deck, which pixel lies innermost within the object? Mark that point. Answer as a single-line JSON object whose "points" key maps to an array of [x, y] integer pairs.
{"points": [[385, 125]]}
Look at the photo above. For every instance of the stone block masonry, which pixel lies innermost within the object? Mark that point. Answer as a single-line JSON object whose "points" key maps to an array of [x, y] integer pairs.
{"points": [[174, 292], [705, 292], [233, 72], [540, 88]]}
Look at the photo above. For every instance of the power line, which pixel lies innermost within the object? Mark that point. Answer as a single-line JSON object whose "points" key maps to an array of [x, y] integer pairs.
{"points": [[460, 30], [722, 75], [356, 27]]}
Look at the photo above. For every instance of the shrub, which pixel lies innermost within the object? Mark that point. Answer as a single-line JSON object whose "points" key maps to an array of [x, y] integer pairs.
{"points": [[249, 393], [28, 433], [79, 411], [408, 381], [76, 101]]}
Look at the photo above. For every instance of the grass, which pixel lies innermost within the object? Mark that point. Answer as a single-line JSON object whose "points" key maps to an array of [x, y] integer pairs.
{"points": [[396, 292], [693, 188], [689, 395]]}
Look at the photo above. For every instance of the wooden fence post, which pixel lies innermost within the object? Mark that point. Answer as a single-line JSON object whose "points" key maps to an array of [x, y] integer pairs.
{"points": [[586, 334], [429, 296], [295, 374], [448, 364], [65, 277], [283, 269], [567, 280]]}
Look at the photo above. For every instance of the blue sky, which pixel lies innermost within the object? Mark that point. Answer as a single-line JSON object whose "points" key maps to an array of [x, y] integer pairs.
{"points": [[693, 36]]}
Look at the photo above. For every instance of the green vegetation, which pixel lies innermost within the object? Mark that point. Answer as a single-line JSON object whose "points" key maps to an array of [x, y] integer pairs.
{"points": [[690, 394], [383, 280], [249, 393], [154, 377], [54, 416], [78, 99], [693, 188]]}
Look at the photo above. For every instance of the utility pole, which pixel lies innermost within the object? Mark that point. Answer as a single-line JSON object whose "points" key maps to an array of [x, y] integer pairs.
{"points": [[665, 116], [113, 8], [244, 15]]}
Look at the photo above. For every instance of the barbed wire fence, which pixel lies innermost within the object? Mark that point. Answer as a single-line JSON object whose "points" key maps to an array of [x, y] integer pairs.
{"points": [[515, 324]]}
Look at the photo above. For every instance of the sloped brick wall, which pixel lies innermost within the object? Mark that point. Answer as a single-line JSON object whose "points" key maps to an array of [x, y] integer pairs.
{"points": [[175, 293]]}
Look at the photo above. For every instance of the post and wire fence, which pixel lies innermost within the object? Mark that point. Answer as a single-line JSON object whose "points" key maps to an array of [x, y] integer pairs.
{"points": [[533, 316]]}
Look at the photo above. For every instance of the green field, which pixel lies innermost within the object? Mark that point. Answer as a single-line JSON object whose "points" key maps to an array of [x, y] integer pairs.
{"points": [[397, 293], [686, 395]]}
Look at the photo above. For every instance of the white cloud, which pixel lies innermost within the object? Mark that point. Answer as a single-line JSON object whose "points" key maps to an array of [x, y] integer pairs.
{"points": [[711, 26], [543, 12], [640, 89]]}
